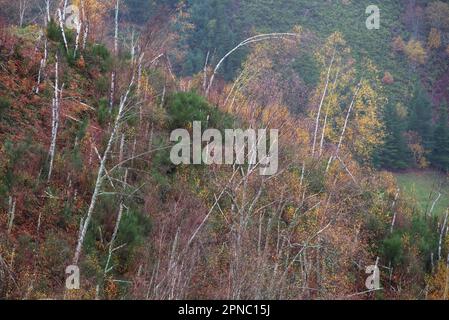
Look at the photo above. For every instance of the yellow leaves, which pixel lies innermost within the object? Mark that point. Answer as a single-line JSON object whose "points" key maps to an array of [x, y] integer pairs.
{"points": [[416, 52], [96, 12], [335, 44], [414, 143], [297, 29], [303, 136], [434, 40], [414, 49], [367, 129], [290, 213], [364, 128], [389, 181]]}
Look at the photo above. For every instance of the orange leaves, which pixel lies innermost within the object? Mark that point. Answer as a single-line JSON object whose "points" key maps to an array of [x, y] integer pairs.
{"points": [[80, 63], [388, 78], [398, 44], [439, 283]]}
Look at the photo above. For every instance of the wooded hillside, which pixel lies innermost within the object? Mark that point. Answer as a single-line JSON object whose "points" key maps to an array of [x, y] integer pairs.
{"points": [[87, 115]]}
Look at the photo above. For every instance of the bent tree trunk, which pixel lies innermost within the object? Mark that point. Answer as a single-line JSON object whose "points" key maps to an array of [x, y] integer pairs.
{"points": [[258, 38]]}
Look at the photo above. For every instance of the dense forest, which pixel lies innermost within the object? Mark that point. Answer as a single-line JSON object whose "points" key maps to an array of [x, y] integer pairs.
{"points": [[91, 92]]}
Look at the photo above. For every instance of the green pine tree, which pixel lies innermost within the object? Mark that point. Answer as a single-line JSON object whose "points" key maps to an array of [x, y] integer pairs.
{"points": [[420, 119], [215, 31], [394, 154], [440, 150]]}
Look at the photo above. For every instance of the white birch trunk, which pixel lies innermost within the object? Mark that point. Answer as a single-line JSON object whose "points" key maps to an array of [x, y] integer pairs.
{"points": [[446, 288], [318, 116], [39, 76], [117, 5], [42, 67], [340, 142], [323, 135], [85, 35], [205, 72], [78, 33], [163, 96], [61, 26], [440, 243], [258, 38], [111, 96], [395, 212], [47, 11], [23, 5], [113, 76], [434, 204], [133, 47], [64, 8], [139, 73], [11, 214], [55, 120], [120, 212], [85, 23]]}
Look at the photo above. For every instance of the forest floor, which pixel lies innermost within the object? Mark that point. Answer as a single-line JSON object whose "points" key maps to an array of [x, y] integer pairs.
{"points": [[423, 187]]}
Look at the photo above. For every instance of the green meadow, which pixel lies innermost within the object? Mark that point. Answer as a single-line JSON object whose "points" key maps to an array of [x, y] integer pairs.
{"points": [[423, 188]]}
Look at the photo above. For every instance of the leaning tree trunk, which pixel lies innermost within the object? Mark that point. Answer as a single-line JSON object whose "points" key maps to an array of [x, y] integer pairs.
{"points": [[101, 171], [348, 115]]}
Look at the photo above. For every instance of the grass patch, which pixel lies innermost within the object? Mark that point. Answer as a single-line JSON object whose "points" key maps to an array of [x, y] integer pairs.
{"points": [[423, 189], [28, 33]]}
